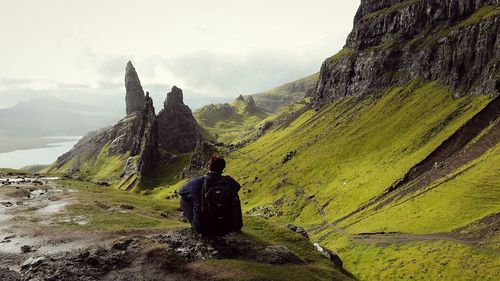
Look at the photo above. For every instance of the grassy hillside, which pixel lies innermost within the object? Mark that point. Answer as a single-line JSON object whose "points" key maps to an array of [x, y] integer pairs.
{"points": [[229, 122], [352, 152]]}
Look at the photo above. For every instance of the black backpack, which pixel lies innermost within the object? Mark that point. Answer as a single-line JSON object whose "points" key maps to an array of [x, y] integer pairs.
{"points": [[220, 207]]}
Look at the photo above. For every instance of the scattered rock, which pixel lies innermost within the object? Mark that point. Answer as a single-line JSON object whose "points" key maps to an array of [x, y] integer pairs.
{"points": [[27, 249], [9, 275], [288, 156], [6, 204], [32, 262], [298, 230], [334, 258], [126, 207]]}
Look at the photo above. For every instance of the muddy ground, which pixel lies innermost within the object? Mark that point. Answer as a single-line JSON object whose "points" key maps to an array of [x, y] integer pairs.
{"points": [[36, 245]]}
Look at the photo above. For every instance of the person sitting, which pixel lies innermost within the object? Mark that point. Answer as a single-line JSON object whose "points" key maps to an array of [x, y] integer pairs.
{"points": [[211, 202]]}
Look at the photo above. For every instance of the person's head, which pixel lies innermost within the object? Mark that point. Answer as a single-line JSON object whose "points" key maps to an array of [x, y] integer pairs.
{"points": [[216, 164]]}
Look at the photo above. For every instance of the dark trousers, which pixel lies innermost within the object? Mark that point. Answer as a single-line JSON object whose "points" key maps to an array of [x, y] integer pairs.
{"points": [[187, 209]]}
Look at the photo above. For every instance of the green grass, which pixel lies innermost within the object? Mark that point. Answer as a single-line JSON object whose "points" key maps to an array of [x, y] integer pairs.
{"points": [[352, 151], [345, 52], [391, 9], [166, 174], [464, 196], [349, 152], [483, 13], [316, 267], [229, 126], [146, 213], [428, 260]]}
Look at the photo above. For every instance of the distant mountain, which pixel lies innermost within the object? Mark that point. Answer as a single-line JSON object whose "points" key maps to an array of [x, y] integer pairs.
{"points": [[272, 100], [54, 117]]}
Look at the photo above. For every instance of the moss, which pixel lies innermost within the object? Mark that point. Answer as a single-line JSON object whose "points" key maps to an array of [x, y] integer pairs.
{"points": [[391, 9], [464, 196], [483, 13], [345, 52], [344, 149], [424, 260], [166, 174], [228, 123], [145, 214]]}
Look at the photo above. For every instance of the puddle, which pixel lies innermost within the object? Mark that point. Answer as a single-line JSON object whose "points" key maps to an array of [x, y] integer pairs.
{"points": [[79, 220]]}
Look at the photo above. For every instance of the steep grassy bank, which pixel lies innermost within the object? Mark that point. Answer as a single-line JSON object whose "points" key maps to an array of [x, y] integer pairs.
{"points": [[352, 152]]}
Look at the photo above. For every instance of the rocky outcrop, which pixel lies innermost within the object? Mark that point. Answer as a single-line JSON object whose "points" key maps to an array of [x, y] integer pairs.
{"points": [[250, 106], [134, 97], [169, 256], [178, 129], [135, 136], [393, 42], [148, 147], [199, 160]]}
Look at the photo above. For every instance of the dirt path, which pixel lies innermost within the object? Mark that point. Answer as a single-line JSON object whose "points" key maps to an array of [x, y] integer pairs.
{"points": [[394, 238]]}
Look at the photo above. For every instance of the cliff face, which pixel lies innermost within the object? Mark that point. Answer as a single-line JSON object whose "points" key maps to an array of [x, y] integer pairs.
{"points": [[178, 129], [455, 42]]}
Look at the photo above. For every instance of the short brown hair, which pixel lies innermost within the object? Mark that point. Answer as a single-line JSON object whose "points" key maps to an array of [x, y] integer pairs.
{"points": [[217, 164]]}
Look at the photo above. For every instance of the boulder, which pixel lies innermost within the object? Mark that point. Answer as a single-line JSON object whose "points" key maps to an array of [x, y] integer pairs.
{"points": [[334, 258]]}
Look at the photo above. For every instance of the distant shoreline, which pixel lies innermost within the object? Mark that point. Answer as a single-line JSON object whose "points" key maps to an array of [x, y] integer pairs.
{"points": [[10, 144]]}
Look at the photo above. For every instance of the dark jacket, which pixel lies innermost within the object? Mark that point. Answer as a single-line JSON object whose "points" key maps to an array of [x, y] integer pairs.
{"points": [[191, 192]]}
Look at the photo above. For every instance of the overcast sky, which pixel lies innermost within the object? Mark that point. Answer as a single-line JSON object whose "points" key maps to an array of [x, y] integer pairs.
{"points": [[212, 49]]}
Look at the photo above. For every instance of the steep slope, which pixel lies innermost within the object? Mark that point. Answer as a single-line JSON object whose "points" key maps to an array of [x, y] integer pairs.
{"points": [[272, 100], [321, 169], [399, 158]]}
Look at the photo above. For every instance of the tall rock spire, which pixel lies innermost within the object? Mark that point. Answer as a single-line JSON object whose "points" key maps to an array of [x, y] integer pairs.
{"points": [[148, 150], [178, 129], [134, 97]]}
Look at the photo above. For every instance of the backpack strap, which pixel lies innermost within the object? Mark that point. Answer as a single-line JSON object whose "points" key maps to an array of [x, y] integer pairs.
{"points": [[203, 191]]}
